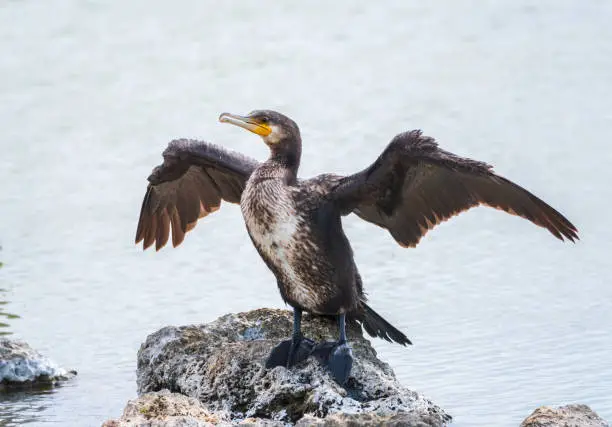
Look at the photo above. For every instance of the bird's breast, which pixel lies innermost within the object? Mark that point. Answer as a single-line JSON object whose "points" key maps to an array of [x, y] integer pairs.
{"points": [[280, 233], [271, 218]]}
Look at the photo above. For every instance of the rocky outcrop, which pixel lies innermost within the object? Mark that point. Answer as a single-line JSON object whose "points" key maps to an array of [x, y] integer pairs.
{"points": [[22, 367], [166, 409], [567, 416], [220, 365]]}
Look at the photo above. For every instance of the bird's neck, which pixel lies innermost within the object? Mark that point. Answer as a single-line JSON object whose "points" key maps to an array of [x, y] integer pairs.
{"points": [[287, 155]]}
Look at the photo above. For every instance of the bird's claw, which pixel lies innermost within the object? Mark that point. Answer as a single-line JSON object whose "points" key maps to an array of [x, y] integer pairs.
{"points": [[290, 352], [338, 358]]}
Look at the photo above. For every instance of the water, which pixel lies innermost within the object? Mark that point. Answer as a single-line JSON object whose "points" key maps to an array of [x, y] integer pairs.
{"points": [[503, 317]]}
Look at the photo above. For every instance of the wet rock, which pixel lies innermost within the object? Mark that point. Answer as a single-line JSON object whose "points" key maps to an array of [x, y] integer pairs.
{"points": [[221, 365], [566, 416], [22, 367]]}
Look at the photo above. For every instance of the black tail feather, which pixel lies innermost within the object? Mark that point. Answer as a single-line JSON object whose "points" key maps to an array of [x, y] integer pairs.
{"points": [[376, 326]]}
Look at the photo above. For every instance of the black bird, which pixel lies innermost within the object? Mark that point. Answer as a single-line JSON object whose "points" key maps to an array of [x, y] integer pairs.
{"points": [[296, 226]]}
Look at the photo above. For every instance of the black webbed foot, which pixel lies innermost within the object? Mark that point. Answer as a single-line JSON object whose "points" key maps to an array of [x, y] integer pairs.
{"points": [[290, 352], [338, 358]]}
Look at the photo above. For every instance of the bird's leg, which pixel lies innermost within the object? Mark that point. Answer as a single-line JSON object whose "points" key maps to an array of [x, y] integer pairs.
{"points": [[293, 351], [337, 355]]}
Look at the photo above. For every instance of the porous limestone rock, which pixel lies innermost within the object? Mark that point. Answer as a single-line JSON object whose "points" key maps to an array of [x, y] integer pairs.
{"points": [[165, 409], [22, 367], [221, 365], [564, 416]]}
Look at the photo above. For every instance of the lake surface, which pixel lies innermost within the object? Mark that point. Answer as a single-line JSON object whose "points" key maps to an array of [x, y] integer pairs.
{"points": [[503, 316]]}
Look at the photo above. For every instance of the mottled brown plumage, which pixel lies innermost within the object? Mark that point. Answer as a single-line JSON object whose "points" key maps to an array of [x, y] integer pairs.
{"points": [[191, 183], [296, 224]]}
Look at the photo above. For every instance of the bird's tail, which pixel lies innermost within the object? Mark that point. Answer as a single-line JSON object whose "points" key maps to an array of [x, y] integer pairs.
{"points": [[376, 326]]}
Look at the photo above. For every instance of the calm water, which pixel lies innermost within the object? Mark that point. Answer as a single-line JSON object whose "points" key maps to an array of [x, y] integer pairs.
{"points": [[504, 317]]}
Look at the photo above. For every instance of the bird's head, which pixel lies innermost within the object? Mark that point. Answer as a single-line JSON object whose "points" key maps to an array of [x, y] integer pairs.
{"points": [[278, 131]]}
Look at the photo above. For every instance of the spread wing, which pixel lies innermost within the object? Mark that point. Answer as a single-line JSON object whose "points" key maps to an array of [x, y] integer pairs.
{"points": [[414, 185], [191, 182]]}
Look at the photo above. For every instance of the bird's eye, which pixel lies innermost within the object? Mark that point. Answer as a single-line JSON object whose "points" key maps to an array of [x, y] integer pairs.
{"points": [[264, 119]]}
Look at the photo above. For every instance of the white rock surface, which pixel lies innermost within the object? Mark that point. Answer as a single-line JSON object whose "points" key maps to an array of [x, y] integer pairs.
{"points": [[23, 367]]}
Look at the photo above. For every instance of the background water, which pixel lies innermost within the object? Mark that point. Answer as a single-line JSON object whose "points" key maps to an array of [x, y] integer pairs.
{"points": [[503, 316]]}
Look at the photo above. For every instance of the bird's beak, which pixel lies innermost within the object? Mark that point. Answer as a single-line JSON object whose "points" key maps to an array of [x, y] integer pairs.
{"points": [[247, 123]]}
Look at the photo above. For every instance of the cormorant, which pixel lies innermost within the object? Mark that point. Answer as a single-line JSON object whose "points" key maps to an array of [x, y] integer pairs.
{"points": [[296, 226]]}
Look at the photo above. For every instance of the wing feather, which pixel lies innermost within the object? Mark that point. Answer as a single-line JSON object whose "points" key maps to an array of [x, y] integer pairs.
{"points": [[414, 186], [178, 234], [191, 183], [163, 229]]}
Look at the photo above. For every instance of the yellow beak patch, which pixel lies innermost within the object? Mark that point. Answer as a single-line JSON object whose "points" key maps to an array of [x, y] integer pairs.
{"points": [[261, 129]]}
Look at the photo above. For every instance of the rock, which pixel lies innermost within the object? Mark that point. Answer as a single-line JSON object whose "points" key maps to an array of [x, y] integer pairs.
{"points": [[22, 367], [166, 409], [401, 419], [566, 416], [221, 365]]}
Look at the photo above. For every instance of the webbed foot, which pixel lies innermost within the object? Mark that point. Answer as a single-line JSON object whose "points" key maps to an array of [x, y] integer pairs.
{"points": [[290, 352], [338, 358]]}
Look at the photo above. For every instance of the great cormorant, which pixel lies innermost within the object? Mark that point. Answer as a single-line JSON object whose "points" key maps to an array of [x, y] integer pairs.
{"points": [[296, 226]]}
